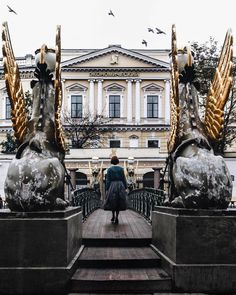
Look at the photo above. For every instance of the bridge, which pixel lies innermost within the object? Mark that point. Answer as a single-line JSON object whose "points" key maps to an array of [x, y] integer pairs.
{"points": [[119, 258], [153, 250]]}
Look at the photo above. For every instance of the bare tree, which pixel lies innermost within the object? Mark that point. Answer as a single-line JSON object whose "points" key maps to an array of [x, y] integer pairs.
{"points": [[88, 131]]}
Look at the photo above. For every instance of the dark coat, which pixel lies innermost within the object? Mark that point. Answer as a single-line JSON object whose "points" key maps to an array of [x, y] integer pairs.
{"points": [[115, 173], [116, 196]]}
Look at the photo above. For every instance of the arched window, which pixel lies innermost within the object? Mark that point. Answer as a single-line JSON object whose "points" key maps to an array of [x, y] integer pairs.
{"points": [[81, 180], [148, 179], [133, 141]]}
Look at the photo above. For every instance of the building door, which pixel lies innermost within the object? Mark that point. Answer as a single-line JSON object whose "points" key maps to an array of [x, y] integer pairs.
{"points": [[148, 179], [81, 180]]}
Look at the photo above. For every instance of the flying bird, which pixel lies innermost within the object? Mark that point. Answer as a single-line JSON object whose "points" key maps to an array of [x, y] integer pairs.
{"points": [[150, 30], [110, 13], [144, 42], [10, 9], [160, 31]]}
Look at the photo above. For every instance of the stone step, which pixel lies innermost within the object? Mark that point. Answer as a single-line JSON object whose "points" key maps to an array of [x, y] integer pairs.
{"points": [[116, 242], [119, 257], [143, 280]]}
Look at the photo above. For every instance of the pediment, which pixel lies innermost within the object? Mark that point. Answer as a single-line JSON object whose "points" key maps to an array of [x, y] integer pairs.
{"points": [[76, 87], [114, 57], [153, 87], [114, 87]]}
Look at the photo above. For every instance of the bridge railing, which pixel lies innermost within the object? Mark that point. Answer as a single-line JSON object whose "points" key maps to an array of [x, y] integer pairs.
{"points": [[144, 200], [88, 199]]}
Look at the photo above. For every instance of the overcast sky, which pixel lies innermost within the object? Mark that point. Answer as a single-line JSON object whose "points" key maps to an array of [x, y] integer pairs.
{"points": [[86, 23]]}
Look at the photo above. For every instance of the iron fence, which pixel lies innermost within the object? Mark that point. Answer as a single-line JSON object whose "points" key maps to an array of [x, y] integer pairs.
{"points": [[88, 199], [144, 200]]}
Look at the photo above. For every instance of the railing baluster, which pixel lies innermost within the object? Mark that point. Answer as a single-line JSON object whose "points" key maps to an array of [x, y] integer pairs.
{"points": [[144, 200], [88, 199]]}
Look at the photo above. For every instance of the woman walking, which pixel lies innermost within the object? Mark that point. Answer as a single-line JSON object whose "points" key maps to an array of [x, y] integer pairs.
{"points": [[115, 190]]}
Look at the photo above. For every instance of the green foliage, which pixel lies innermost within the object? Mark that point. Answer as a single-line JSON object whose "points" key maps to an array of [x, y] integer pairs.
{"points": [[205, 61], [28, 103], [9, 146]]}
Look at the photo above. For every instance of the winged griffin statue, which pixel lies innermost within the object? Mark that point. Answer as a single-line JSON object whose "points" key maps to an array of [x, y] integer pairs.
{"points": [[35, 178], [199, 179]]}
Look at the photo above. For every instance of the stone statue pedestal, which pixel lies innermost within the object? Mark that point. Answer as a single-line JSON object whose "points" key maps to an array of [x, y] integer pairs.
{"points": [[197, 248], [38, 250]]}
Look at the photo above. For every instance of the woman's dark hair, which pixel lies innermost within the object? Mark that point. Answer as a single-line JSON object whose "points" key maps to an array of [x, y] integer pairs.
{"points": [[114, 160]]}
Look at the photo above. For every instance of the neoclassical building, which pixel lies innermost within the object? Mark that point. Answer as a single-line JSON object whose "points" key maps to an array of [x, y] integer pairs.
{"points": [[131, 87]]}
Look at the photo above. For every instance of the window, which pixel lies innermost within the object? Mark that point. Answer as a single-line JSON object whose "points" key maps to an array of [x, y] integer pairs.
{"points": [[8, 108], [153, 143], [114, 143], [133, 141], [76, 106], [114, 106], [148, 179], [81, 180], [152, 106]]}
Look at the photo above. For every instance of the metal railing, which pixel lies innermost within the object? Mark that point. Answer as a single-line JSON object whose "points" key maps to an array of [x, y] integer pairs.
{"points": [[144, 200], [232, 204], [88, 199]]}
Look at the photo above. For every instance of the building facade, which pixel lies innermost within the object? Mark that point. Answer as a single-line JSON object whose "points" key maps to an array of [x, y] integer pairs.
{"points": [[131, 87]]}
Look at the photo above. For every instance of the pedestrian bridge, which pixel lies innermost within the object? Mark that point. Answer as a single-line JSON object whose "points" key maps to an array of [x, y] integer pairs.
{"points": [[119, 258]]}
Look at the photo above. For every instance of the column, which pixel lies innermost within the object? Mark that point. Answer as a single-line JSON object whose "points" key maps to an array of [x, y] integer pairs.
{"points": [[129, 102], [145, 106], [91, 98], [137, 102], [167, 101], [3, 115], [156, 177], [100, 104], [160, 104]]}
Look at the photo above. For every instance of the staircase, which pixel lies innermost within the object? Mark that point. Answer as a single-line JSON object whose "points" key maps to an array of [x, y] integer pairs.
{"points": [[119, 265]]}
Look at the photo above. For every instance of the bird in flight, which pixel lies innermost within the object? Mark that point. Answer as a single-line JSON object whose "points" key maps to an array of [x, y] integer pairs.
{"points": [[144, 42], [150, 30], [110, 13], [159, 31], [10, 9]]}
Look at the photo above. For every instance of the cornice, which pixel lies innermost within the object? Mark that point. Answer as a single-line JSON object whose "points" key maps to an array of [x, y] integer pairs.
{"points": [[124, 128], [124, 69]]}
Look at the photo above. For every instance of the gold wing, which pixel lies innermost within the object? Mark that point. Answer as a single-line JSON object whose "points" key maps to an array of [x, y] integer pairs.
{"points": [[174, 101], [58, 92], [14, 87], [219, 90]]}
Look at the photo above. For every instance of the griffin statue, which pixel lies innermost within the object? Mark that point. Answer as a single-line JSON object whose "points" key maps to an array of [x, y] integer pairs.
{"points": [[35, 178], [199, 179]]}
